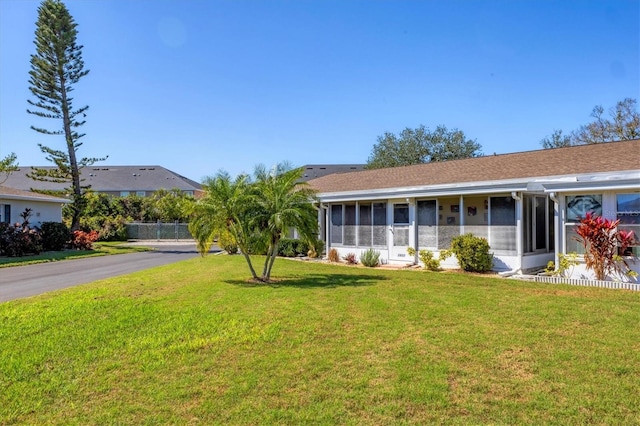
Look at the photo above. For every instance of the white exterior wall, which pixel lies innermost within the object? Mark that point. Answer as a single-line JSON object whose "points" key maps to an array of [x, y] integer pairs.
{"points": [[42, 211], [609, 211]]}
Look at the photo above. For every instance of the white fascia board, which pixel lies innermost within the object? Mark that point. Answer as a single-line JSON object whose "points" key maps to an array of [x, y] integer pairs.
{"points": [[28, 198], [595, 186], [473, 188], [598, 182]]}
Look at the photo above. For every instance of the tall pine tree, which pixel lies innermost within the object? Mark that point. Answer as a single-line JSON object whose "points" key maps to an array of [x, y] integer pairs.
{"points": [[56, 67]]}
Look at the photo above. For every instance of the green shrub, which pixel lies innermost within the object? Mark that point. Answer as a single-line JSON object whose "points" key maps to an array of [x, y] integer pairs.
{"points": [[370, 258], [287, 247], [316, 248], [55, 236], [113, 229], [227, 243], [292, 247], [566, 262], [427, 259], [472, 253]]}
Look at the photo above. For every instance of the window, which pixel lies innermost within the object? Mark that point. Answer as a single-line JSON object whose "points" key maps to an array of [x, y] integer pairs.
{"points": [[336, 224], [379, 224], [577, 206], [401, 224], [6, 213], [427, 224], [141, 193], [628, 211], [349, 237], [124, 193], [502, 212], [370, 227], [475, 216], [448, 221], [365, 228], [537, 222]]}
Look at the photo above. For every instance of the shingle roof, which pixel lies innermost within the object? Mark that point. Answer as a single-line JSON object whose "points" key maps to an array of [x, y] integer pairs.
{"points": [[13, 193], [605, 157], [313, 171], [112, 178]]}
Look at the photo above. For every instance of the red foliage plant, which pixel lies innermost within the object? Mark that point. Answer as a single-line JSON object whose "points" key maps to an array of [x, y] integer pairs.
{"points": [[84, 240], [351, 259], [602, 240]]}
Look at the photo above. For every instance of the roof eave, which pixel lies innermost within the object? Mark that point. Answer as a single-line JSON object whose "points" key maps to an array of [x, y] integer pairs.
{"points": [[622, 180]]}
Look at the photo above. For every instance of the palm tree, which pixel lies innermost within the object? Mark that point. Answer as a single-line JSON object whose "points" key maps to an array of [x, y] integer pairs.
{"points": [[225, 207], [282, 202]]}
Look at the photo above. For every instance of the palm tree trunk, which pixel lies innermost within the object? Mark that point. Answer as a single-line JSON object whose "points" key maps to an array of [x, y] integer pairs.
{"points": [[248, 259], [271, 260], [265, 268]]}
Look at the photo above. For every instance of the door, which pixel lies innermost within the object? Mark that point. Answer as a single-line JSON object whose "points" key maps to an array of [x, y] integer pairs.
{"points": [[400, 232]]}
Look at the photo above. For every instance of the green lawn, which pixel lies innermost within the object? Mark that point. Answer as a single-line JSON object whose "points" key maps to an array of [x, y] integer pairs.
{"points": [[99, 249], [194, 343]]}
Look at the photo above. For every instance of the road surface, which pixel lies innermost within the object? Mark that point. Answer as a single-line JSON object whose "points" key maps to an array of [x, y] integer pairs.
{"points": [[29, 280]]}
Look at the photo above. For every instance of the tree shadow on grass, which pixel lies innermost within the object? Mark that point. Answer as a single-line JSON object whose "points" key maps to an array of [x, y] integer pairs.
{"points": [[314, 281]]}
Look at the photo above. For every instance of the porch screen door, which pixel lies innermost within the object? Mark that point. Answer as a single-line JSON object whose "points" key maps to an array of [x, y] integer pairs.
{"points": [[400, 227]]}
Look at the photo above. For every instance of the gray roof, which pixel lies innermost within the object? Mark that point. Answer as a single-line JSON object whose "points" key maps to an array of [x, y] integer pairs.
{"points": [[313, 171], [111, 179], [8, 193]]}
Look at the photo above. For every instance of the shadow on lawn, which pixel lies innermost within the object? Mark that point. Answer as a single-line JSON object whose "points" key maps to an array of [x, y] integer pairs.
{"points": [[314, 281]]}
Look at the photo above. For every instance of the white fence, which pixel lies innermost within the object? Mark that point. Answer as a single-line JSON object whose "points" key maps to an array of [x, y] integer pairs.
{"points": [[587, 283]]}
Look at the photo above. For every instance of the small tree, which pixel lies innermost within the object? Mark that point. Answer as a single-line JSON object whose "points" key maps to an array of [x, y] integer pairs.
{"points": [[602, 240], [226, 206], [282, 201], [8, 165]]}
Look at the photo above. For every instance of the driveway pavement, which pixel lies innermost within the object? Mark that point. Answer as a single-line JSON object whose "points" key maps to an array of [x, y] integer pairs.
{"points": [[29, 280]]}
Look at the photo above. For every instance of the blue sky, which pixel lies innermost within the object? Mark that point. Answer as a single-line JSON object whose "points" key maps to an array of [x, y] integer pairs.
{"points": [[199, 86]]}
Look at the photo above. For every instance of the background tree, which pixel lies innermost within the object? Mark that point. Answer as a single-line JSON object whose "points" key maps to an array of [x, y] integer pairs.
{"points": [[171, 205], [556, 140], [56, 67], [8, 165], [420, 145], [623, 124]]}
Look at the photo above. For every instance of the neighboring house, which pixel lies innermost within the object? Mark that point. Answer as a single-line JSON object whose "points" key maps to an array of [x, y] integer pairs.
{"points": [[314, 171], [526, 204], [44, 208], [114, 180]]}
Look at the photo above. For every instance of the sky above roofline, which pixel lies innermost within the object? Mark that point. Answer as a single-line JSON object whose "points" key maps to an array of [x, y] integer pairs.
{"points": [[200, 86]]}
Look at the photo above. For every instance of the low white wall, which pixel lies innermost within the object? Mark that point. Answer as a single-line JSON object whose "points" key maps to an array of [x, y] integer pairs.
{"points": [[580, 271], [531, 262], [384, 254]]}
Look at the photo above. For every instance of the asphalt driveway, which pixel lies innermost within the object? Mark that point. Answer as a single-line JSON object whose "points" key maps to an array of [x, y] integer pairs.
{"points": [[29, 280]]}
